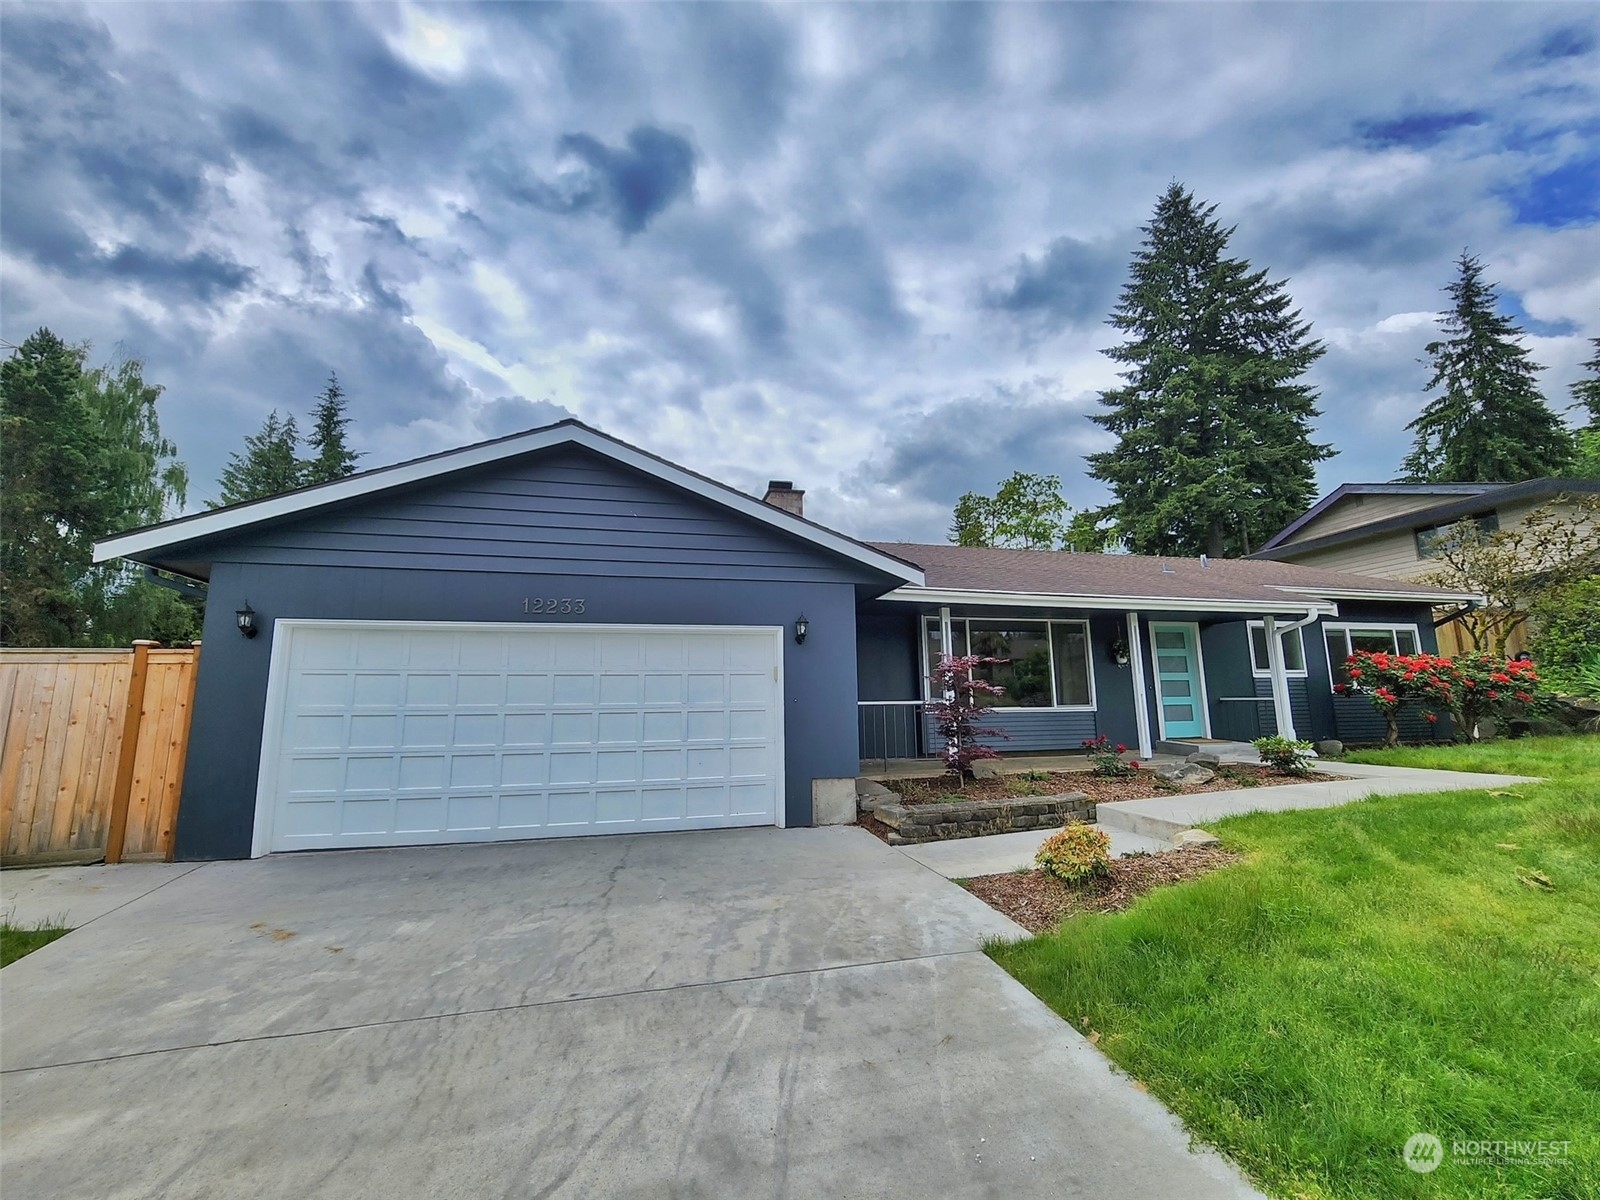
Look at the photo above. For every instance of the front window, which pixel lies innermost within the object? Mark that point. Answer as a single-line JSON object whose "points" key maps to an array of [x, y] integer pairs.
{"points": [[1294, 651], [1046, 662], [1345, 640]]}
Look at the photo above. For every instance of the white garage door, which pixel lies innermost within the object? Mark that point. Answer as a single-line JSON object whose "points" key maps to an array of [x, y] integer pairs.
{"points": [[381, 734]]}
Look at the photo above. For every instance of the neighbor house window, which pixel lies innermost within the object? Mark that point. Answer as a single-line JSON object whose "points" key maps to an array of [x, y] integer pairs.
{"points": [[1294, 651], [1046, 662], [1345, 640], [1428, 540]]}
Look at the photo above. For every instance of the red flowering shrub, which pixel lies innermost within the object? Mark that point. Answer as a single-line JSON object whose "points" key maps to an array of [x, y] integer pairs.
{"points": [[1469, 687], [957, 714], [1108, 761]]}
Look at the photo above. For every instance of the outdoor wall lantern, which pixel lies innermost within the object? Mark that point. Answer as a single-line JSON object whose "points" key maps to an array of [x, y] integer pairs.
{"points": [[801, 628], [246, 619], [1119, 650]]}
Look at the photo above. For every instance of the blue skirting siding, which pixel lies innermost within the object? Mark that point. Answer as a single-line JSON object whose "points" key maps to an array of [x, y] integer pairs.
{"points": [[1356, 721], [1029, 731]]}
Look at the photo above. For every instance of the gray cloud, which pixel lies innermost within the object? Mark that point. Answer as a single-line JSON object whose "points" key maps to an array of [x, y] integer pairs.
{"points": [[630, 184], [1070, 283], [868, 247]]}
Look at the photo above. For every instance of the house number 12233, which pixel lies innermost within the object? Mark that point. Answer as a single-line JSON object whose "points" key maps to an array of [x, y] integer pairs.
{"points": [[552, 604]]}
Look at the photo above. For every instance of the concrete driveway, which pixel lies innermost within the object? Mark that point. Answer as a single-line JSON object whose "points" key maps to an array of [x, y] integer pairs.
{"points": [[740, 1013]]}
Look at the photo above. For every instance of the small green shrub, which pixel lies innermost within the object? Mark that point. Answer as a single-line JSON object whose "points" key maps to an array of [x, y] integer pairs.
{"points": [[1284, 756], [1076, 853]]}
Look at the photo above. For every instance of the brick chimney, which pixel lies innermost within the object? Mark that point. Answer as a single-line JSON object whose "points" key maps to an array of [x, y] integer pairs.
{"points": [[781, 493]]}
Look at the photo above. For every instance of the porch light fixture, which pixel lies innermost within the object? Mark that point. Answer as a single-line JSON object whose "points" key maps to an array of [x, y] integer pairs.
{"points": [[801, 628], [1118, 650], [245, 618]]}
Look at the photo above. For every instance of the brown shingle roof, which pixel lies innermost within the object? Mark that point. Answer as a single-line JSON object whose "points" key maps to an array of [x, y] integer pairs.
{"points": [[1060, 573]]}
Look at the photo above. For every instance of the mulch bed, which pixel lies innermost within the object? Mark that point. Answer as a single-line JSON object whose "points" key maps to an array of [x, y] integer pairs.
{"points": [[1039, 902], [1142, 785]]}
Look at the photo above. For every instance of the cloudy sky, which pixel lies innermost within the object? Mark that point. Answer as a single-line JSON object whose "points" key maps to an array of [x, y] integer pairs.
{"points": [[867, 248]]}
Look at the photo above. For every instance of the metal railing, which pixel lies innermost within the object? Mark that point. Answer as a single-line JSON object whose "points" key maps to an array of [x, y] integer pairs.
{"points": [[889, 729]]}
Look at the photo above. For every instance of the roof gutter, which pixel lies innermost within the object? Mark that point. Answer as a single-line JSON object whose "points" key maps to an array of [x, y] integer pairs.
{"points": [[1355, 594], [915, 595]]}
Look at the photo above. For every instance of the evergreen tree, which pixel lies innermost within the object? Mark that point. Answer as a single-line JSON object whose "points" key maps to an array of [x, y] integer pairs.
{"points": [[1489, 423], [268, 465], [333, 458], [1214, 449], [1587, 390], [1586, 460]]}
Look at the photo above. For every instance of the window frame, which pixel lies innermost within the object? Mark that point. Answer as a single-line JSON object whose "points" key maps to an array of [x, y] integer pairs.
{"points": [[1429, 536], [1261, 672], [1047, 624], [1349, 627]]}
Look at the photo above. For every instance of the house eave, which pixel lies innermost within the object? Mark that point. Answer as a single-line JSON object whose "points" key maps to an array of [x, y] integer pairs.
{"points": [[944, 596]]}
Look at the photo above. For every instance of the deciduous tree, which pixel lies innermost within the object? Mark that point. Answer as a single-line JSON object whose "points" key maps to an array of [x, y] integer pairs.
{"points": [[1213, 419], [1488, 422], [1556, 546], [1026, 513], [81, 457]]}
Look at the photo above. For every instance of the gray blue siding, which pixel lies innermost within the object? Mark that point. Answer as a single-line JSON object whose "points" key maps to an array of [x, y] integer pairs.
{"points": [[563, 512], [566, 524]]}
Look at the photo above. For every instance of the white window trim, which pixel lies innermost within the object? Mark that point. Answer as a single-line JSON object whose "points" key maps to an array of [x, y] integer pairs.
{"points": [[1264, 672], [1050, 641], [1200, 669], [1347, 627]]}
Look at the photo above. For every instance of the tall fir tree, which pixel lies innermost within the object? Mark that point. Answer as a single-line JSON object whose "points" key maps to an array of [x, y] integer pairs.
{"points": [[1489, 423], [332, 457], [1213, 423], [1586, 460], [269, 463]]}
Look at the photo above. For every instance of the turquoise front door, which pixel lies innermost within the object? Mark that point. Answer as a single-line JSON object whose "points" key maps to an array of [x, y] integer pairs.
{"points": [[1176, 650]]}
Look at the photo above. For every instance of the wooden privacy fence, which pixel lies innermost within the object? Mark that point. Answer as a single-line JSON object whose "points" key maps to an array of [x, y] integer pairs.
{"points": [[92, 744]]}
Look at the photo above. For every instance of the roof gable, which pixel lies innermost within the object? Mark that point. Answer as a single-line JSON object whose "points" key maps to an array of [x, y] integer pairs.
{"points": [[242, 521], [1455, 502], [1410, 496]]}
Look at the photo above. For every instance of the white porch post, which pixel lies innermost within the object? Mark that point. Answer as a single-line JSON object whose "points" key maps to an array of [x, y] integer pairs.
{"points": [[1281, 707], [1141, 707], [946, 646]]}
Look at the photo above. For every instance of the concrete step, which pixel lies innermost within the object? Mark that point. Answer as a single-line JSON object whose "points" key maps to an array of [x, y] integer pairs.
{"points": [[1122, 815]]}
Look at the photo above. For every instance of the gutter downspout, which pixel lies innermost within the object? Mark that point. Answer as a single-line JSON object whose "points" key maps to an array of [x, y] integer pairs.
{"points": [[1141, 704], [1282, 709]]}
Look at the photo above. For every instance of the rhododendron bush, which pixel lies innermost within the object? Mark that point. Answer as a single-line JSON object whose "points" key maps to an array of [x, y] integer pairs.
{"points": [[1469, 687]]}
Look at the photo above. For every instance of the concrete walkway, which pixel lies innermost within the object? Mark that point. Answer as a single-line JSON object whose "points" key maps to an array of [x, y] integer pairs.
{"points": [[752, 1012], [71, 897], [1149, 825]]}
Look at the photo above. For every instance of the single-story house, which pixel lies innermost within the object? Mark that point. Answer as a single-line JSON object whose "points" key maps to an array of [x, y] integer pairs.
{"points": [[1393, 529], [559, 634]]}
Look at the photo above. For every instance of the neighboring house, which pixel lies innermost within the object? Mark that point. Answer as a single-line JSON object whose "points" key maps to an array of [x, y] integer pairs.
{"points": [[1388, 529], [557, 634]]}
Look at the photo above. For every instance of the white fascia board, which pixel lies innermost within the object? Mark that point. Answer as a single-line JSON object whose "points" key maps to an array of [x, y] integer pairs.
{"points": [[919, 595], [206, 525], [1363, 594]]}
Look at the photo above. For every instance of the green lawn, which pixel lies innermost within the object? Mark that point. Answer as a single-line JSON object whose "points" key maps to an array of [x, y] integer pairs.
{"points": [[1369, 972], [15, 940]]}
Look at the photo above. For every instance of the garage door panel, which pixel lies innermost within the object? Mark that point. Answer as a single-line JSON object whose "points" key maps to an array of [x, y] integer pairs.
{"points": [[412, 735]]}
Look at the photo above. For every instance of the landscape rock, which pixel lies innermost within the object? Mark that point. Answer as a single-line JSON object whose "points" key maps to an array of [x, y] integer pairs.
{"points": [[986, 768], [1204, 758], [1330, 748], [1186, 774], [1195, 837]]}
